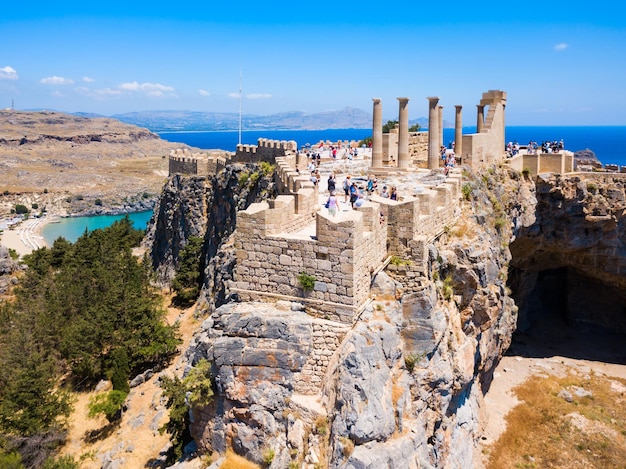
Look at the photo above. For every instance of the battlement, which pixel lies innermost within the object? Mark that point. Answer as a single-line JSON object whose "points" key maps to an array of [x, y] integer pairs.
{"points": [[183, 161], [265, 150], [278, 240]]}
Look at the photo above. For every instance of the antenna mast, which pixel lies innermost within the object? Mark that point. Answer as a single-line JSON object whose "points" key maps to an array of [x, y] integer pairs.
{"points": [[240, 89]]}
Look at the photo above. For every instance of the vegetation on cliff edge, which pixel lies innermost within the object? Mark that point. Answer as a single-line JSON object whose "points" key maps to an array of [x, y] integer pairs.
{"points": [[81, 313]]}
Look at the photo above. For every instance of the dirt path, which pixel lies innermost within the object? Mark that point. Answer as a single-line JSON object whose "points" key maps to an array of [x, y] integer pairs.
{"points": [[544, 356], [136, 440]]}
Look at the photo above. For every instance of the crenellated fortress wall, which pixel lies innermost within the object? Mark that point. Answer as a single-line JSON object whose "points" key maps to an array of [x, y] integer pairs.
{"points": [[265, 150], [278, 240], [183, 161]]}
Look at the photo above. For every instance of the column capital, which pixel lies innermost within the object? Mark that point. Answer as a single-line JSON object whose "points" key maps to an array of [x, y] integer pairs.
{"points": [[433, 99], [403, 100], [376, 100], [458, 107]]}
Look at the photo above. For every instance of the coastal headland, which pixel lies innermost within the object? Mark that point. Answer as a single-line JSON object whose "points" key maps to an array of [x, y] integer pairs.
{"points": [[55, 164]]}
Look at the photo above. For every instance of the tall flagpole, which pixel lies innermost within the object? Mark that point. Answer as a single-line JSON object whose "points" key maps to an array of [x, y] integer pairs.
{"points": [[240, 89]]}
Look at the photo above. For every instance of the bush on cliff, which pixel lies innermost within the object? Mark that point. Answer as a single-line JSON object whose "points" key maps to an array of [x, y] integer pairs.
{"points": [[186, 283], [194, 389]]}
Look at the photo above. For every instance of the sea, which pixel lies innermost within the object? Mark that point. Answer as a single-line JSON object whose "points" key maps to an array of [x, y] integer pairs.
{"points": [[607, 142], [72, 228]]}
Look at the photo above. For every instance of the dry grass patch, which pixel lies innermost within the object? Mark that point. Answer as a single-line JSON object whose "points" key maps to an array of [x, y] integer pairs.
{"points": [[548, 431], [234, 461]]}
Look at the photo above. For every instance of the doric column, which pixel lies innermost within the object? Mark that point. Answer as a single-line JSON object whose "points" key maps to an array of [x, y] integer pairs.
{"points": [[403, 133], [458, 131], [441, 142], [377, 134], [480, 117], [433, 133]]}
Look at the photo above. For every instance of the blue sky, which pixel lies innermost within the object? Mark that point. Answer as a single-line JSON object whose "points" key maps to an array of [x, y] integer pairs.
{"points": [[559, 64]]}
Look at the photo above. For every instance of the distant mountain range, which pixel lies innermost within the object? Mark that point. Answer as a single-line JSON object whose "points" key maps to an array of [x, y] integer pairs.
{"points": [[172, 121]]}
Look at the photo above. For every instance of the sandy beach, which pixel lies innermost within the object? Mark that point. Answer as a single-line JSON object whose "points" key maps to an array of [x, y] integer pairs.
{"points": [[24, 237]]}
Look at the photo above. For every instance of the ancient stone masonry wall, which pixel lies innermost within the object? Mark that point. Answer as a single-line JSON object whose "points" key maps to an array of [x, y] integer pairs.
{"points": [[266, 150], [182, 165], [279, 240], [326, 337], [182, 161], [487, 146], [560, 163], [340, 255]]}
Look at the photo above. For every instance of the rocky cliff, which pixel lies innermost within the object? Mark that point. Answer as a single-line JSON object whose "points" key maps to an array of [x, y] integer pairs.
{"points": [[403, 386], [570, 263], [204, 206]]}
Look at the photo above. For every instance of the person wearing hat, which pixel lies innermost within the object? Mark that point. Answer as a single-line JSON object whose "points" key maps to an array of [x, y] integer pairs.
{"points": [[384, 193]]}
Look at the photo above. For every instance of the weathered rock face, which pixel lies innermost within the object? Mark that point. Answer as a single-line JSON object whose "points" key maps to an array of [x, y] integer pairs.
{"points": [[571, 261], [7, 268], [404, 386], [205, 207]]}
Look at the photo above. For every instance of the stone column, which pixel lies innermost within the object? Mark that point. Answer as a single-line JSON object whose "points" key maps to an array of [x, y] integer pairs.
{"points": [[480, 117], [403, 133], [377, 134], [441, 142], [433, 133], [458, 131]]}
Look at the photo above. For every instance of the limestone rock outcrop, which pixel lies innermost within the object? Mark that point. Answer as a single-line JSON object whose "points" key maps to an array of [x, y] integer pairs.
{"points": [[400, 387], [573, 256]]}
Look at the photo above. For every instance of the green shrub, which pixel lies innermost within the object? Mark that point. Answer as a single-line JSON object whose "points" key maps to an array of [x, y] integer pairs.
{"points": [[79, 197], [411, 360], [447, 289], [267, 168], [499, 223], [109, 404], [98, 202], [397, 260], [6, 192], [243, 179], [306, 281], [195, 388], [21, 209], [466, 190], [34, 206], [592, 187], [526, 172], [268, 456]]}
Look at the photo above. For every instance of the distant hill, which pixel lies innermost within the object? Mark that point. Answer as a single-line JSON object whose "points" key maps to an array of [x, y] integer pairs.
{"points": [[164, 121], [171, 121]]}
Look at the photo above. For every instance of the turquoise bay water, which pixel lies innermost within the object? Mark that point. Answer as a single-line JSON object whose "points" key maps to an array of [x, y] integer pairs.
{"points": [[72, 228]]}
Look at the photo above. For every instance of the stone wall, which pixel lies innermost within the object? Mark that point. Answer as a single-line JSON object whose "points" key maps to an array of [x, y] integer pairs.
{"points": [[326, 336], [278, 240], [265, 150], [560, 163], [488, 146], [183, 161], [339, 253]]}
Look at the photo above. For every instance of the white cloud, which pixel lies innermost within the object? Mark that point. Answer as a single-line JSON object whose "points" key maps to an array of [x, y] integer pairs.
{"points": [[258, 96], [8, 73], [149, 89], [54, 80], [88, 79], [560, 46], [203, 93], [233, 95]]}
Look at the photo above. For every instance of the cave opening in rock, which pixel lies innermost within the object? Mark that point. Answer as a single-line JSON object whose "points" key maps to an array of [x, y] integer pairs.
{"points": [[565, 312]]}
